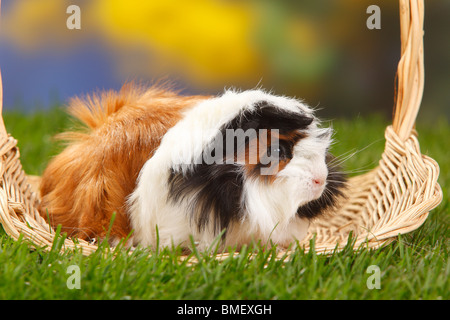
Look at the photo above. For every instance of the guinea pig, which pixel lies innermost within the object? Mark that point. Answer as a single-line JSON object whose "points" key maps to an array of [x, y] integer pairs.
{"points": [[240, 167]]}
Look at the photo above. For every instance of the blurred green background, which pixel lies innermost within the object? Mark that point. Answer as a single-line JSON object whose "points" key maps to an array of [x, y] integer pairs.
{"points": [[320, 51]]}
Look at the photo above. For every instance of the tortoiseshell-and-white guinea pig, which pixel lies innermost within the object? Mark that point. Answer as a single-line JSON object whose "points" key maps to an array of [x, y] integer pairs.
{"points": [[248, 165]]}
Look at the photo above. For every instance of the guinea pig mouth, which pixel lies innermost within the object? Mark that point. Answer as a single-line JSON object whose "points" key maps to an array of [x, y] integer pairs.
{"points": [[317, 191]]}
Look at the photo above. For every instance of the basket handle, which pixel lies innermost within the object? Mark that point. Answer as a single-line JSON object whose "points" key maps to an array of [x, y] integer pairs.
{"points": [[3, 132], [2, 124], [410, 72]]}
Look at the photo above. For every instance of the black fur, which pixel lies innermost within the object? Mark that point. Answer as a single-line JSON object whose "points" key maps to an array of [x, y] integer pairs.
{"points": [[217, 189], [267, 116]]}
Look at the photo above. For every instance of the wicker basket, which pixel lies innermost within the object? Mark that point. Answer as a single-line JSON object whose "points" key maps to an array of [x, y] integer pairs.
{"points": [[392, 199]]}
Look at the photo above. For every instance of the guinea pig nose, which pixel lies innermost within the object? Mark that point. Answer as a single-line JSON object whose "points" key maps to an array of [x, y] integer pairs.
{"points": [[318, 181]]}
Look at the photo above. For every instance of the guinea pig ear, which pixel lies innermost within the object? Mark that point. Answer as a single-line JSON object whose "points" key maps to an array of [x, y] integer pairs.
{"points": [[270, 116], [303, 121]]}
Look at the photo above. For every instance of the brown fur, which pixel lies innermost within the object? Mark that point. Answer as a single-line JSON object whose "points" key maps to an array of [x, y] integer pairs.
{"points": [[260, 146], [90, 180]]}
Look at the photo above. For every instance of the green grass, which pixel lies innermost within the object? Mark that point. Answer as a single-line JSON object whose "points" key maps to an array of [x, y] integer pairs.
{"points": [[415, 266]]}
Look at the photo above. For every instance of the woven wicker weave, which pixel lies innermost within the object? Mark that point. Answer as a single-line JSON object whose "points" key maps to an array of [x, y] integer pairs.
{"points": [[392, 199]]}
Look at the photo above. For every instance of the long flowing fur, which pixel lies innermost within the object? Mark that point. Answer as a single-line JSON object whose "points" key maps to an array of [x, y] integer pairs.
{"points": [[89, 181]]}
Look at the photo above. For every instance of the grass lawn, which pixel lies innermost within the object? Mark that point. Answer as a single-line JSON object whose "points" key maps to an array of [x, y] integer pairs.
{"points": [[416, 266]]}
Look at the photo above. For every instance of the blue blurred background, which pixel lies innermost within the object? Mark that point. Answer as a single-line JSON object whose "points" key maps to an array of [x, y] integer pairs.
{"points": [[320, 51]]}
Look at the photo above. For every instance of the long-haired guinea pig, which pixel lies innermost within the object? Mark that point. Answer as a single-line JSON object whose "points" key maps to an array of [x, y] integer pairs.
{"points": [[240, 167]]}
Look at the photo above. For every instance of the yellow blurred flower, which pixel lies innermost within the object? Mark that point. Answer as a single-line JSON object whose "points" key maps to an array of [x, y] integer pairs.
{"points": [[208, 39]]}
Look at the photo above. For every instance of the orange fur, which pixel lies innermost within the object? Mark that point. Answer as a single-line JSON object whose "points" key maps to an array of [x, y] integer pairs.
{"points": [[90, 180]]}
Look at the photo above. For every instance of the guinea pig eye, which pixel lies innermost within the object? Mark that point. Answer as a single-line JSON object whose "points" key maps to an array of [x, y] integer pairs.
{"points": [[281, 152]]}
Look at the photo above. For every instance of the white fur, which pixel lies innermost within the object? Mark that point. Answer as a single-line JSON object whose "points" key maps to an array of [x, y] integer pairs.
{"points": [[270, 210]]}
